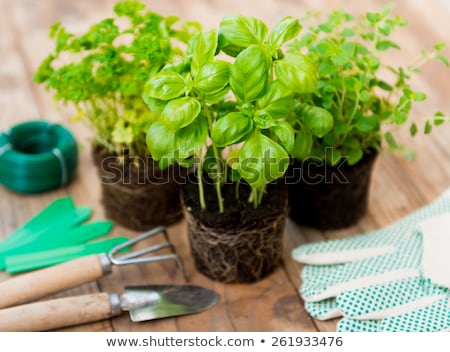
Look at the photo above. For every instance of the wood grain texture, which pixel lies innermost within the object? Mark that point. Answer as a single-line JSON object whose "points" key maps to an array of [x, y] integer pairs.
{"points": [[42, 283], [57, 313], [273, 304]]}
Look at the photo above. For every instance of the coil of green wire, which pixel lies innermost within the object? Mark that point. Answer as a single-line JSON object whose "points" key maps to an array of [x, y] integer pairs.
{"points": [[37, 156]]}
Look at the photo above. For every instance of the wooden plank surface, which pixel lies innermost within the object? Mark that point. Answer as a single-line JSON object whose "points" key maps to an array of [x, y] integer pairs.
{"points": [[273, 304]]}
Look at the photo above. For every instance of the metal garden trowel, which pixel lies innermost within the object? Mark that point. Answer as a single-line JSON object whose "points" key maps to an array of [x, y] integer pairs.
{"points": [[143, 303]]}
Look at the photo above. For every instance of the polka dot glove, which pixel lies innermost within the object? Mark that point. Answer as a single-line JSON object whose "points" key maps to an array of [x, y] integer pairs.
{"points": [[377, 257], [431, 317]]}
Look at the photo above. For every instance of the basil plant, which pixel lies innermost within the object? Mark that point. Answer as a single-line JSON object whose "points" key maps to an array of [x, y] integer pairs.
{"points": [[226, 103]]}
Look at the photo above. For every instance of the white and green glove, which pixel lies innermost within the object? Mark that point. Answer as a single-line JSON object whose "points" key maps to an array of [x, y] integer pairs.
{"points": [[413, 304], [374, 258]]}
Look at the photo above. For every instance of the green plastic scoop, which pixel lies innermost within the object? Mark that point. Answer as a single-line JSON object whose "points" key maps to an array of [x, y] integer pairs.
{"points": [[29, 241], [40, 221], [57, 238], [37, 260]]}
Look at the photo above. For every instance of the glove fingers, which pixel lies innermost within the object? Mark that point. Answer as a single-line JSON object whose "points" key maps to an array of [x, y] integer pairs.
{"points": [[371, 243], [322, 282], [323, 310], [435, 317], [342, 250], [352, 325], [380, 301]]}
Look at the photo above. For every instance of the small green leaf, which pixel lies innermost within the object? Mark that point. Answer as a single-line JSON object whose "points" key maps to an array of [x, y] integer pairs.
{"points": [[231, 128], [419, 96], [428, 127], [439, 46], [263, 120], [285, 135], [326, 47], [217, 97], [297, 72], [154, 105], [180, 112], [413, 129], [160, 141], [319, 120], [203, 49], [286, 29], [243, 31], [303, 144], [443, 59], [122, 134], [165, 86], [250, 73], [190, 140], [333, 156], [384, 45], [275, 91], [348, 32], [233, 159], [439, 118], [352, 150], [367, 124], [261, 161], [349, 48], [212, 77], [392, 143], [280, 108]]}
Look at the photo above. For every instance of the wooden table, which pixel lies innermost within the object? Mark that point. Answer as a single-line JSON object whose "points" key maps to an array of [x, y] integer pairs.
{"points": [[273, 304]]}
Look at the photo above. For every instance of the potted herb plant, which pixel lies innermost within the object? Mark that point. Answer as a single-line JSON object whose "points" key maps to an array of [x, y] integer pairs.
{"points": [[366, 95], [102, 73], [224, 107]]}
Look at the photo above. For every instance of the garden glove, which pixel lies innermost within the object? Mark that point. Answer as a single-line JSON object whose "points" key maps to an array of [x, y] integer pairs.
{"points": [[373, 258], [432, 318], [417, 304]]}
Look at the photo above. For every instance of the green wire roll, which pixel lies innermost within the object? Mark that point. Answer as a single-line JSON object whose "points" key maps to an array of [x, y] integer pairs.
{"points": [[37, 156]]}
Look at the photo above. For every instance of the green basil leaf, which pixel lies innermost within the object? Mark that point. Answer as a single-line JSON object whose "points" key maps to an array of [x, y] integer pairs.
{"points": [[190, 139], [261, 161], [303, 144], [280, 108], [242, 31], [160, 141], [154, 105], [284, 30], [274, 91], [263, 120], [212, 77], [217, 97], [180, 112], [297, 72], [231, 128], [203, 48], [250, 73], [285, 134], [319, 120], [165, 86]]}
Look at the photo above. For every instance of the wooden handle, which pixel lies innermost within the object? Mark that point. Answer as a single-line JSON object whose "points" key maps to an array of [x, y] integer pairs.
{"points": [[57, 313], [43, 282]]}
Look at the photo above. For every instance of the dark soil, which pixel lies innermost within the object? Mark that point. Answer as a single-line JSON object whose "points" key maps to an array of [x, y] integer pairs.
{"points": [[325, 197], [243, 244], [136, 193]]}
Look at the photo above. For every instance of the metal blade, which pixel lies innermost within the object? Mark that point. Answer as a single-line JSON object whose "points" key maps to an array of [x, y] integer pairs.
{"points": [[162, 301]]}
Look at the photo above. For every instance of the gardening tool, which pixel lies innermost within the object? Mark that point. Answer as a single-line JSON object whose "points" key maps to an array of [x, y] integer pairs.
{"points": [[143, 303], [50, 280]]}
